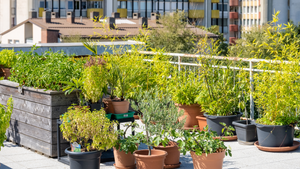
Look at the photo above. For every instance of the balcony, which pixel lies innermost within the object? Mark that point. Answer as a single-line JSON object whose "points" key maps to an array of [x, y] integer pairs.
{"points": [[123, 12], [196, 13], [215, 1], [234, 2], [196, 0], [232, 40], [214, 13], [233, 28], [233, 15]]}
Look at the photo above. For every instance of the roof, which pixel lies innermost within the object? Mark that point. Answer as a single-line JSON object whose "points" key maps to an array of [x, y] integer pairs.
{"points": [[87, 28]]}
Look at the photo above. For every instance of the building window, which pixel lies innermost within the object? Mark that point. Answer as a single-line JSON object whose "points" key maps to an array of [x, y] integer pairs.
{"points": [[16, 41], [225, 6], [244, 21], [95, 4], [122, 4], [256, 9], [42, 4], [10, 41], [83, 5], [70, 4], [247, 22], [62, 5], [244, 10], [55, 4], [77, 5], [248, 9]]}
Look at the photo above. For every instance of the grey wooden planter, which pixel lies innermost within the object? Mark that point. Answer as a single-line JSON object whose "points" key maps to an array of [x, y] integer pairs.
{"points": [[33, 121]]}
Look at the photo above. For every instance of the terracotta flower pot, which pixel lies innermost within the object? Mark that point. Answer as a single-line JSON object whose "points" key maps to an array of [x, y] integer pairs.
{"points": [[201, 122], [172, 159], [190, 112], [6, 72], [109, 108], [123, 160], [120, 107], [155, 161], [211, 161]]}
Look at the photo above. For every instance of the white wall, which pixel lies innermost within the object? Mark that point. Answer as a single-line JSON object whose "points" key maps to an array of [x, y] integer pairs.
{"points": [[282, 6], [5, 18], [37, 34], [22, 10], [16, 34], [295, 11]]}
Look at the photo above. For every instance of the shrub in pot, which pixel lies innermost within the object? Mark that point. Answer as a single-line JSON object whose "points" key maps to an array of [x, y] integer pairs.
{"points": [[160, 117], [206, 151], [92, 131], [5, 114], [185, 87], [8, 58], [277, 89]]}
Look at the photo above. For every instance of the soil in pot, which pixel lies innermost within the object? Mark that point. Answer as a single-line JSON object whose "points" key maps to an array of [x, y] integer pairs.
{"points": [[213, 122], [275, 136], [172, 159], [190, 113], [246, 133], [84, 160], [155, 161], [211, 161], [108, 106], [201, 122], [120, 107], [123, 160]]}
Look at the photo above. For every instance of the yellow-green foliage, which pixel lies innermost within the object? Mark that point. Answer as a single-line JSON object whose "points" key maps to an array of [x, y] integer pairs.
{"points": [[81, 125], [8, 58], [5, 114], [277, 88]]}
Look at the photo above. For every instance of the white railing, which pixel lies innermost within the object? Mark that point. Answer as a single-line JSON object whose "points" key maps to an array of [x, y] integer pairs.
{"points": [[249, 60]]}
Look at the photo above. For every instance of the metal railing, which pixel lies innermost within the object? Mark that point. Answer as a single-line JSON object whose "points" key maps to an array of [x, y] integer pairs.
{"points": [[249, 60]]}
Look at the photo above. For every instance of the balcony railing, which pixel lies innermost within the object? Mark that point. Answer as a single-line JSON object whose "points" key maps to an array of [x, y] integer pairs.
{"points": [[234, 2], [233, 15], [233, 28]]}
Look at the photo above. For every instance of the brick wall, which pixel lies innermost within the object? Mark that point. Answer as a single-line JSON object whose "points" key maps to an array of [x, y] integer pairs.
{"points": [[49, 36]]}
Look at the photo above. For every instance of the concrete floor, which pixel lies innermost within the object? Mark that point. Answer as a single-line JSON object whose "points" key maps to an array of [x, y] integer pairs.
{"points": [[243, 156]]}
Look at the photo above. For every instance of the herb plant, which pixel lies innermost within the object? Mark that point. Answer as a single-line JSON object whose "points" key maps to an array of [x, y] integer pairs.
{"points": [[46, 71], [8, 58], [5, 113], [82, 125]]}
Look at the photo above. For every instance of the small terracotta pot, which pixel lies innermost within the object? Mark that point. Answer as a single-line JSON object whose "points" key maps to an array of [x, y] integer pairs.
{"points": [[172, 159], [123, 160], [120, 107], [211, 161], [6, 72], [155, 161], [190, 112], [109, 108], [201, 122]]}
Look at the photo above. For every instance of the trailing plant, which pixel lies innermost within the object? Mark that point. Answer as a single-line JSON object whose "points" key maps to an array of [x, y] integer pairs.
{"points": [[46, 71], [5, 114], [160, 116], [8, 58], [82, 125], [202, 142], [95, 81]]}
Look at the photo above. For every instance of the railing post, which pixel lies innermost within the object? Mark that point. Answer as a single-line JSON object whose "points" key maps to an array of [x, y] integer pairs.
{"points": [[251, 92], [179, 62]]}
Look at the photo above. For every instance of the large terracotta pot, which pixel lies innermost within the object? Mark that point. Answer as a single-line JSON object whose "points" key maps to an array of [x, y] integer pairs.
{"points": [[120, 107], [6, 72], [172, 159], [190, 112], [201, 122], [211, 161], [109, 108], [123, 160], [155, 161]]}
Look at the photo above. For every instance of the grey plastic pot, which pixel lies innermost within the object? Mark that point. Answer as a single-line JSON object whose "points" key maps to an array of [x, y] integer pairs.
{"points": [[213, 122], [275, 136], [246, 133], [84, 160]]}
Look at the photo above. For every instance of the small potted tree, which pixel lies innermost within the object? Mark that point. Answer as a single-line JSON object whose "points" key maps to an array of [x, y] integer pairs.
{"points": [[206, 151], [89, 133], [7, 60], [5, 114]]}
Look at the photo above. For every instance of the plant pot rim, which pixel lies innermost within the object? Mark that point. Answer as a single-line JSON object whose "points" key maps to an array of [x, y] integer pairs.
{"points": [[135, 153], [80, 153], [200, 117], [240, 124], [223, 151], [264, 125], [185, 105], [166, 146], [214, 116]]}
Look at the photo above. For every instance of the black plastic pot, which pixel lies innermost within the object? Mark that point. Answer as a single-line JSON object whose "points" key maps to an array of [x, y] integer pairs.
{"points": [[213, 122], [275, 136], [84, 160], [95, 106], [246, 133]]}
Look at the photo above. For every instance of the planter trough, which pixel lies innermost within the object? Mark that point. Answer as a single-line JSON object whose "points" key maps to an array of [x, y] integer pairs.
{"points": [[246, 133]]}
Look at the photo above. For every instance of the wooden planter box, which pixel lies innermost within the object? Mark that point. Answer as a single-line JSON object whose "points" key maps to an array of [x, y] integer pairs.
{"points": [[33, 121]]}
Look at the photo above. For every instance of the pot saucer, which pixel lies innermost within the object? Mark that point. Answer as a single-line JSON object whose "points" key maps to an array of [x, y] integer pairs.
{"points": [[130, 167], [296, 144], [227, 138], [173, 165]]}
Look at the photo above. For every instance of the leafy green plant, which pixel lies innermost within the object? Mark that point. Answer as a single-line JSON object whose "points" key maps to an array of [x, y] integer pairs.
{"points": [[227, 130], [46, 71], [77, 86], [202, 142], [81, 125], [160, 116], [8, 58], [95, 81], [5, 113]]}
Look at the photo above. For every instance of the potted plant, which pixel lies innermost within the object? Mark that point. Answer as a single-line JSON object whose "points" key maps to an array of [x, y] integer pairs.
{"points": [[206, 151], [95, 81], [76, 85], [7, 60], [185, 87], [5, 114], [90, 133], [160, 117], [124, 148]]}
